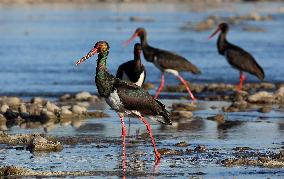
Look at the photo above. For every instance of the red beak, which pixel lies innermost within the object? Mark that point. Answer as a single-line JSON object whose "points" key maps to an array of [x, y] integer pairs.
{"points": [[86, 57], [214, 33], [126, 43]]}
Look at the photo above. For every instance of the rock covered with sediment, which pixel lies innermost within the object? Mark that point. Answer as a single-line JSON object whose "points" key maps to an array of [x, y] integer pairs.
{"points": [[33, 142], [15, 111], [41, 144], [81, 96]]}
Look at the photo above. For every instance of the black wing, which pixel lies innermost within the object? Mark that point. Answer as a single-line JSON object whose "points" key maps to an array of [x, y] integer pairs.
{"points": [[135, 98], [244, 61], [170, 60]]}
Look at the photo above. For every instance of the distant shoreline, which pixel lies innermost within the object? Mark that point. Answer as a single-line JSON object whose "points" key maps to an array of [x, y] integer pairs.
{"points": [[92, 2]]}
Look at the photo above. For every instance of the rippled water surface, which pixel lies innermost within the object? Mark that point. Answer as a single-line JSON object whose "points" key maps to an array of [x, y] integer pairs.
{"points": [[39, 45]]}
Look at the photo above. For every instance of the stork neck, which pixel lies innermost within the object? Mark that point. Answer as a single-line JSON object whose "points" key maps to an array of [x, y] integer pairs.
{"points": [[143, 39], [222, 43], [101, 62]]}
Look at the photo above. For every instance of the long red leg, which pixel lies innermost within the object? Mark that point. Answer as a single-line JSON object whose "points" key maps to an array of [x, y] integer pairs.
{"points": [[186, 86], [123, 143], [161, 86], [158, 155], [242, 79]]}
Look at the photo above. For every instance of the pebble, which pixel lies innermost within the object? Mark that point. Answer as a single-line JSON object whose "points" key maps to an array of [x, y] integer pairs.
{"points": [[169, 152], [179, 115], [218, 118], [52, 107], [83, 96], [23, 108], [41, 144], [13, 101], [4, 108], [200, 149], [78, 109], [261, 97], [65, 111], [265, 109], [37, 100], [65, 97], [184, 107], [181, 144]]}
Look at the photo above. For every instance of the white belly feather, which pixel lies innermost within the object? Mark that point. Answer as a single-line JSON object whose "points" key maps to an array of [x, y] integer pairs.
{"points": [[114, 101], [140, 79]]}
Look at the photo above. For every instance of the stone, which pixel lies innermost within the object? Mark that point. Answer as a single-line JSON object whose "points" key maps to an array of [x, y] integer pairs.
{"points": [[265, 109], [200, 149], [218, 118], [37, 100], [41, 144], [178, 115], [46, 114], [65, 97], [83, 96], [14, 101], [52, 107], [261, 97], [184, 107], [78, 109], [4, 108], [65, 111], [181, 144], [280, 92], [23, 108], [169, 152]]}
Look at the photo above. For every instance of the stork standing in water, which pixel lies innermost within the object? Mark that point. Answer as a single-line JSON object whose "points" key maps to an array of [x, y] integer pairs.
{"points": [[125, 97], [165, 61], [237, 57], [133, 70]]}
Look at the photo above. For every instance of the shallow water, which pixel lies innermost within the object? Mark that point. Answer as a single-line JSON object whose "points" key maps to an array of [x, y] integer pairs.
{"points": [[39, 44], [99, 148]]}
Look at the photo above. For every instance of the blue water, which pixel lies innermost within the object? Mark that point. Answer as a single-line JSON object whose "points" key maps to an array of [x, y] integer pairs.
{"points": [[39, 44]]}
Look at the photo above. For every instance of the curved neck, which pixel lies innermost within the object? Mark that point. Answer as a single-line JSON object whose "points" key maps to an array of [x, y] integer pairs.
{"points": [[222, 43], [137, 58], [143, 39], [101, 61]]}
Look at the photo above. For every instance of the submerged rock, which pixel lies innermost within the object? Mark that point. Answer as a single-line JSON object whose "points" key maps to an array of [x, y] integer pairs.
{"points": [[181, 144], [181, 115], [265, 109], [15, 171], [4, 108], [41, 144], [38, 100], [169, 152], [201, 149], [261, 97], [184, 107], [13, 101], [78, 109], [218, 118], [83, 96]]}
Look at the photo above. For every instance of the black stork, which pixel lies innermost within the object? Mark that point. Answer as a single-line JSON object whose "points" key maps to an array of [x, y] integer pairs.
{"points": [[165, 61], [237, 57], [125, 97], [133, 70]]}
